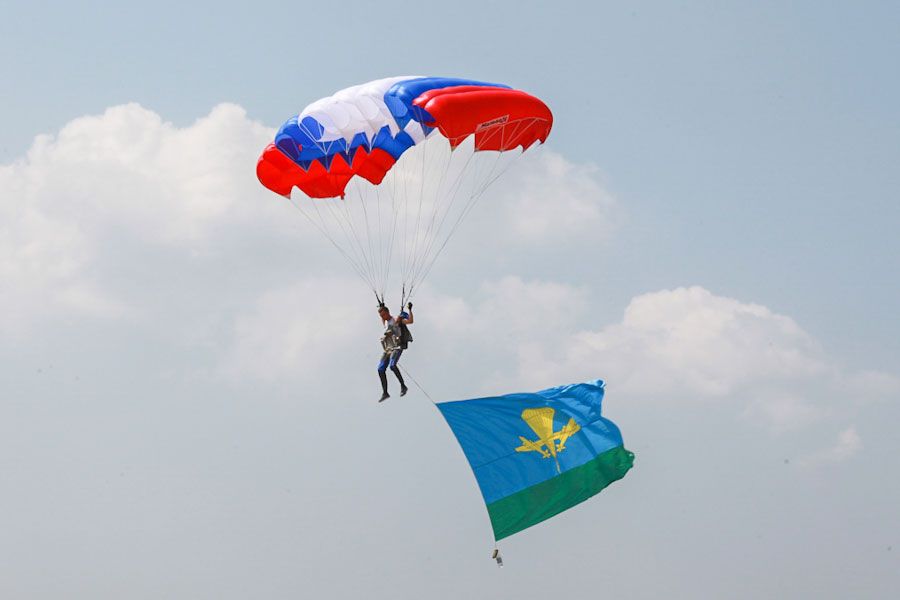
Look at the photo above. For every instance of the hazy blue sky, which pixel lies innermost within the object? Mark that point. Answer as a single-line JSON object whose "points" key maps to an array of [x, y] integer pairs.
{"points": [[187, 396]]}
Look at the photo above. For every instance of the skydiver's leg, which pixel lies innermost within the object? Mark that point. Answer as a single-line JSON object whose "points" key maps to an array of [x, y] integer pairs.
{"points": [[382, 367], [395, 358]]}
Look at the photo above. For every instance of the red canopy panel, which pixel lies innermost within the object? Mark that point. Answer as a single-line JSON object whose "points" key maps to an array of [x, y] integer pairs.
{"points": [[501, 119]]}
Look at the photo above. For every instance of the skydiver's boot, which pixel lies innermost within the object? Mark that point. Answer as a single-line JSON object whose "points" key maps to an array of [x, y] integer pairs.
{"points": [[403, 388], [384, 393]]}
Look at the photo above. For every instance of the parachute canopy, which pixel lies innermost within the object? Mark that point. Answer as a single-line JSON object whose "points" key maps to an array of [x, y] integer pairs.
{"points": [[413, 144], [363, 130]]}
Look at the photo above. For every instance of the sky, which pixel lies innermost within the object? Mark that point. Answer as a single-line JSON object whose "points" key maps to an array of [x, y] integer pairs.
{"points": [[188, 397]]}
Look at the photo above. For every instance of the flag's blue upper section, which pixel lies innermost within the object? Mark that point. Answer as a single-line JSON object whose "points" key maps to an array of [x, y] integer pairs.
{"points": [[491, 429]]}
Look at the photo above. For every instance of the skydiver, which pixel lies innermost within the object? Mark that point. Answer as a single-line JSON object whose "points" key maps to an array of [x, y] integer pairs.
{"points": [[395, 340]]}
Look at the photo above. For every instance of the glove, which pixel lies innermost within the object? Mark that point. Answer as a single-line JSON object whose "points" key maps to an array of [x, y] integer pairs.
{"points": [[409, 305]]}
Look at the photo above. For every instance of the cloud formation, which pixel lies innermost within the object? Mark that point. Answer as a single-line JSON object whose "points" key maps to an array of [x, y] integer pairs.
{"points": [[691, 339], [300, 331], [847, 444], [127, 183], [124, 214], [671, 348], [684, 346], [549, 194], [205, 341], [108, 182]]}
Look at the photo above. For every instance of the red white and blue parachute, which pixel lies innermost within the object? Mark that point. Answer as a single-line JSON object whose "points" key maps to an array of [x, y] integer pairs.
{"points": [[395, 164]]}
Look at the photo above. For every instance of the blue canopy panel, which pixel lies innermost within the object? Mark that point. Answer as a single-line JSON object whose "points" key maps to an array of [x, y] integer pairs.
{"points": [[400, 97], [300, 141], [393, 145]]}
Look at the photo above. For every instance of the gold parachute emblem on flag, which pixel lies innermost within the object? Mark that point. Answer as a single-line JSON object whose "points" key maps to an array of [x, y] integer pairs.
{"points": [[549, 443]]}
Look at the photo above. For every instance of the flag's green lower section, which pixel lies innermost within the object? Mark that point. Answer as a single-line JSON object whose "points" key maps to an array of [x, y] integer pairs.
{"points": [[539, 502]]}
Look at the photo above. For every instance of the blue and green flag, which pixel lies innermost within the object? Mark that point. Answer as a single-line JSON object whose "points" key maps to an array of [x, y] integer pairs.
{"points": [[536, 455]]}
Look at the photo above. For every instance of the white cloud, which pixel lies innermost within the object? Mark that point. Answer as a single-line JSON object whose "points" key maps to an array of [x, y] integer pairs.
{"points": [[125, 175], [847, 445], [514, 307], [691, 340], [685, 345], [782, 408], [549, 194], [671, 349], [872, 386], [128, 168], [122, 191], [298, 331], [37, 253], [111, 217]]}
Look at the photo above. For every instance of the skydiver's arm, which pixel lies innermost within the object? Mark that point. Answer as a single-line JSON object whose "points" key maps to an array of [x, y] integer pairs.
{"points": [[411, 318]]}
